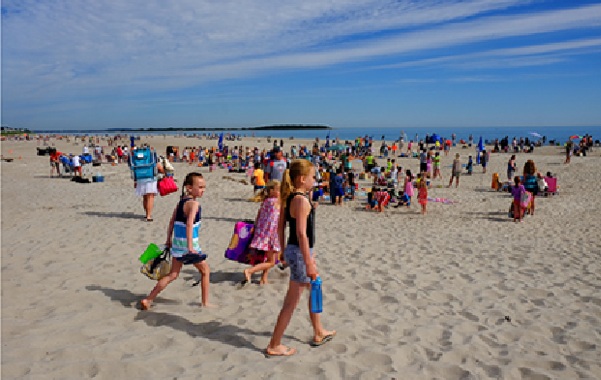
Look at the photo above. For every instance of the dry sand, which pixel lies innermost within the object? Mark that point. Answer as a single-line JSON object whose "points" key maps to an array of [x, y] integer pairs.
{"points": [[411, 296]]}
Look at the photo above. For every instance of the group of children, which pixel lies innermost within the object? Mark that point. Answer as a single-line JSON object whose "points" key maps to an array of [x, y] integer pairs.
{"points": [[72, 164], [285, 203], [379, 197]]}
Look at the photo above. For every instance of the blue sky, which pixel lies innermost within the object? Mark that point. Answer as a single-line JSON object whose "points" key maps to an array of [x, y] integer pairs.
{"points": [[92, 64]]}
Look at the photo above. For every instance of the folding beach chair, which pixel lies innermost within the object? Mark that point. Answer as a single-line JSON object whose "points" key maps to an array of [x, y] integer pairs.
{"points": [[551, 186]]}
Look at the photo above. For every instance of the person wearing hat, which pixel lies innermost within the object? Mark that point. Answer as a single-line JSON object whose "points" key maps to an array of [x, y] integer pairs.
{"points": [[276, 167]]}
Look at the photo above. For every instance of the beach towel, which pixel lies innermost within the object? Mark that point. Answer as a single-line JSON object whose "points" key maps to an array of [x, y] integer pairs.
{"points": [[445, 201], [525, 199], [239, 249]]}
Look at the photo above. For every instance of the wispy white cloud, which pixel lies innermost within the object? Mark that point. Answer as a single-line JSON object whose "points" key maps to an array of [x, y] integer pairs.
{"points": [[64, 49], [530, 55]]}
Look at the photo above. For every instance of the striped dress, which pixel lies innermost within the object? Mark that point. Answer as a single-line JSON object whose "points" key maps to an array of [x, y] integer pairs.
{"points": [[179, 243]]}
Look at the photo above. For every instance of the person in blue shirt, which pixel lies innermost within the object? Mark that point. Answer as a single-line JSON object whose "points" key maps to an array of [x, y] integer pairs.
{"points": [[530, 183]]}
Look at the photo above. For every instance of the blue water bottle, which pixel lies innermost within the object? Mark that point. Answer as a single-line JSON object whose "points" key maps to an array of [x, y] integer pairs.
{"points": [[316, 301]]}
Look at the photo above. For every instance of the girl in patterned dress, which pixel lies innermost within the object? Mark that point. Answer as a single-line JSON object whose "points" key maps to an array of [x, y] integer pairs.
{"points": [[265, 236]]}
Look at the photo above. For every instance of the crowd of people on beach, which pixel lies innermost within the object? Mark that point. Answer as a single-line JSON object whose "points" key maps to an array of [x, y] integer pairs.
{"points": [[340, 166], [290, 187], [291, 184]]}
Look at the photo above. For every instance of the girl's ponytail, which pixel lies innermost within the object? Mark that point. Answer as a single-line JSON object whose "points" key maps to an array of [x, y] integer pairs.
{"points": [[286, 188], [189, 181]]}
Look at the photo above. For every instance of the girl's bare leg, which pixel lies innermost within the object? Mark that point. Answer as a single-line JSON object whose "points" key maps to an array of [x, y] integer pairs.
{"points": [[266, 266], [148, 203], [318, 331], [205, 272], [176, 266], [271, 255], [295, 289]]}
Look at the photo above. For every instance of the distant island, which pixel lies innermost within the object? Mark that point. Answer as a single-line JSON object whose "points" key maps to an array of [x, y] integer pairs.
{"points": [[276, 127]]}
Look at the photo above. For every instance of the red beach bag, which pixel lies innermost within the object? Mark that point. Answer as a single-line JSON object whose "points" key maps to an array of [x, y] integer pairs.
{"points": [[167, 186]]}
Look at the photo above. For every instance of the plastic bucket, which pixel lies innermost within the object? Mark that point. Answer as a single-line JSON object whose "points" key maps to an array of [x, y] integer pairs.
{"points": [[151, 252]]}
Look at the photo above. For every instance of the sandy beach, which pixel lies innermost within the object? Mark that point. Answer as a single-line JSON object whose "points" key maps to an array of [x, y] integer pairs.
{"points": [[460, 293]]}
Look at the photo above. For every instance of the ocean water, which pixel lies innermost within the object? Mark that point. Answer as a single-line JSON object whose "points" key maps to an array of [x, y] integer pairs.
{"points": [[559, 134]]}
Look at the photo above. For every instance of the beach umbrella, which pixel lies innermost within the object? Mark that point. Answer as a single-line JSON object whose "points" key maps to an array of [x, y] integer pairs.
{"points": [[480, 149], [220, 142], [536, 134], [575, 137]]}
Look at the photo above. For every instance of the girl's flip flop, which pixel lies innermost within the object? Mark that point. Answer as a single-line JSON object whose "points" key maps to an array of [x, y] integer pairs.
{"points": [[323, 341]]}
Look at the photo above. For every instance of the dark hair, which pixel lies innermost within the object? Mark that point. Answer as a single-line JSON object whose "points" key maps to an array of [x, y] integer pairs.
{"points": [[408, 172], [189, 181]]}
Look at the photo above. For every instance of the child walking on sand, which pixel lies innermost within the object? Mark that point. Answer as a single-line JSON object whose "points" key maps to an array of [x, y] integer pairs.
{"points": [[408, 185], [265, 236], [298, 211], [422, 193], [517, 191], [436, 165], [185, 248]]}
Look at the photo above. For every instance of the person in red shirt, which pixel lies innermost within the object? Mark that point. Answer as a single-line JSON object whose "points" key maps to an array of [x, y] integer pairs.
{"points": [[119, 154], [55, 163]]}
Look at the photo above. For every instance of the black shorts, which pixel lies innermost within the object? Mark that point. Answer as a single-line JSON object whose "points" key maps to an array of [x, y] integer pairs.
{"points": [[423, 166], [191, 258]]}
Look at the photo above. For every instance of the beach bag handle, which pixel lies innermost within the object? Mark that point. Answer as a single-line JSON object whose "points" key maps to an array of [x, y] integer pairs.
{"points": [[158, 267]]}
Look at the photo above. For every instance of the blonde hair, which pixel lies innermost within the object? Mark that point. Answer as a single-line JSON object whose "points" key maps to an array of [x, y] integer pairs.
{"points": [[264, 193], [297, 168]]}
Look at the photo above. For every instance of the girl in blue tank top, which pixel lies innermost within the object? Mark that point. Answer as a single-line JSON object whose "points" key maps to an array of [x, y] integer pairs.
{"points": [[182, 238], [299, 213]]}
